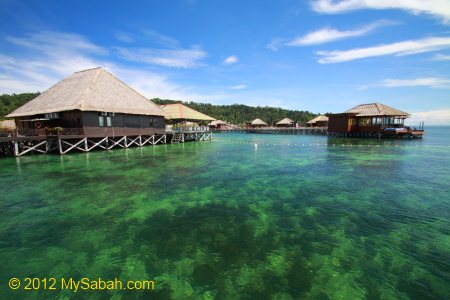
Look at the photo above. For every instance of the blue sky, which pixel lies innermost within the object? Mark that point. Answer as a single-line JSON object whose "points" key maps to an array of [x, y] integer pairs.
{"points": [[318, 55]]}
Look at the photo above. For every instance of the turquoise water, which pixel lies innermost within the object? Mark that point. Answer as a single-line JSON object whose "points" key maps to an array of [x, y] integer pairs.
{"points": [[297, 217]]}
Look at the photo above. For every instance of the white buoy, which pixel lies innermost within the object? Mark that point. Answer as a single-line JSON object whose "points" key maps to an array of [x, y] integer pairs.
{"points": [[256, 146]]}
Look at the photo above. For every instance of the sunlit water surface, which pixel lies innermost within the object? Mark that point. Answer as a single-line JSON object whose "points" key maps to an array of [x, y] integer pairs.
{"points": [[297, 217]]}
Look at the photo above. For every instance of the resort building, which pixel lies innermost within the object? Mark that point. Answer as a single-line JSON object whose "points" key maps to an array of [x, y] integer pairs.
{"points": [[92, 109], [90, 103], [286, 122], [319, 121], [257, 123], [186, 124], [179, 113], [219, 125], [374, 119]]}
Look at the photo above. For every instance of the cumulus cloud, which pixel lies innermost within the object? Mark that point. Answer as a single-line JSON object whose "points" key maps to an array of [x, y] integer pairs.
{"points": [[231, 60], [400, 48]]}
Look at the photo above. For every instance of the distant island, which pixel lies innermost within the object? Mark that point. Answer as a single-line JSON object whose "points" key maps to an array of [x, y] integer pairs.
{"points": [[234, 114]]}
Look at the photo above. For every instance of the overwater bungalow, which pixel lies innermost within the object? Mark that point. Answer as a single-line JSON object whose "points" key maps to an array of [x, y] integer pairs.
{"points": [[181, 120], [90, 103], [257, 123], [319, 121], [87, 110], [286, 122], [219, 125], [371, 120], [179, 113]]}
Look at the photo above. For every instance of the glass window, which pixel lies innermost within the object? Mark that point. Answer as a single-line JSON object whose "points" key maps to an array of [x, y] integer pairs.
{"points": [[108, 121], [101, 121]]}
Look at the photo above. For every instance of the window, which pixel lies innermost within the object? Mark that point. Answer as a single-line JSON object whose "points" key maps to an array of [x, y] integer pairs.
{"points": [[108, 121], [364, 122], [52, 116], [101, 121]]}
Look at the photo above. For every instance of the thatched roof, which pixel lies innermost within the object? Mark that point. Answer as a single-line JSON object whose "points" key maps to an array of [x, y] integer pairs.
{"points": [[376, 109], [318, 119], [285, 121], [217, 122], [179, 111], [258, 122], [90, 90]]}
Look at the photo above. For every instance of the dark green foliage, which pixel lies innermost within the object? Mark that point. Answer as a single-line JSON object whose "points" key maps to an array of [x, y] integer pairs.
{"points": [[235, 114], [240, 114], [8, 103]]}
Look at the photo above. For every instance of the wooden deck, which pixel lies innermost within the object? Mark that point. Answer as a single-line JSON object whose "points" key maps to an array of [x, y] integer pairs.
{"points": [[18, 143]]}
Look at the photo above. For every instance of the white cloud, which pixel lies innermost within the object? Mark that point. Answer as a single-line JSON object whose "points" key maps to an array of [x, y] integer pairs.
{"points": [[400, 48], [238, 87], [441, 57], [437, 8], [431, 82], [326, 35], [433, 117], [275, 44], [161, 39], [124, 37], [174, 58], [46, 58], [231, 60]]}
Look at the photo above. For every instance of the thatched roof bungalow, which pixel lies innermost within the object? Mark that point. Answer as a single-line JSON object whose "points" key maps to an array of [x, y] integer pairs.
{"points": [[286, 122], [92, 103], [367, 118], [219, 125], [319, 121], [178, 113], [257, 123]]}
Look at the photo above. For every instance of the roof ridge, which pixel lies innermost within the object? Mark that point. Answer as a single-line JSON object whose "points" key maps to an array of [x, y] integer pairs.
{"points": [[89, 87], [90, 69]]}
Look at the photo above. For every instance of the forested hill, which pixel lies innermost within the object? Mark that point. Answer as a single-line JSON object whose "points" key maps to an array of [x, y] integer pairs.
{"points": [[235, 114], [239, 113], [8, 103]]}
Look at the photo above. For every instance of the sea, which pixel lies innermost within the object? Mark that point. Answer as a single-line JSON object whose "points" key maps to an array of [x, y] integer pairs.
{"points": [[244, 216]]}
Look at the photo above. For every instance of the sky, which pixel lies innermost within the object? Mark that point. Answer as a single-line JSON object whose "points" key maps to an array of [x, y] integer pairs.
{"points": [[318, 55]]}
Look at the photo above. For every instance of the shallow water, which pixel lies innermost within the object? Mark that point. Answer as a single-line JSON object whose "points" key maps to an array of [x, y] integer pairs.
{"points": [[297, 217]]}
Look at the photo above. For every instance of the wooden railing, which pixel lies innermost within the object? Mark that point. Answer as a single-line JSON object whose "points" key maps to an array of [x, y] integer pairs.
{"points": [[48, 131], [7, 132], [188, 129]]}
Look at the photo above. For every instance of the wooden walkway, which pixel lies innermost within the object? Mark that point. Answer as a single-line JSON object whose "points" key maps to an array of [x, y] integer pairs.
{"points": [[279, 130], [14, 144]]}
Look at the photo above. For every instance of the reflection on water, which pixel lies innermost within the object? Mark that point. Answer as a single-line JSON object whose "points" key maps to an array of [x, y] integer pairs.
{"points": [[298, 217]]}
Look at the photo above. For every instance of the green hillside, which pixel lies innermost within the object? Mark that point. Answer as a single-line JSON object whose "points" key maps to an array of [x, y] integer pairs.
{"points": [[235, 114]]}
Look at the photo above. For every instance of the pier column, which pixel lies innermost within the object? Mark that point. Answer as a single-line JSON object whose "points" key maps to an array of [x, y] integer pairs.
{"points": [[16, 148], [60, 146]]}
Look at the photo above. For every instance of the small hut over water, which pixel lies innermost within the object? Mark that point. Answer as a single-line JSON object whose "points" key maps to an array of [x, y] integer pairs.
{"points": [[181, 116], [286, 122], [373, 119], [218, 125], [257, 123], [319, 121], [179, 112]]}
